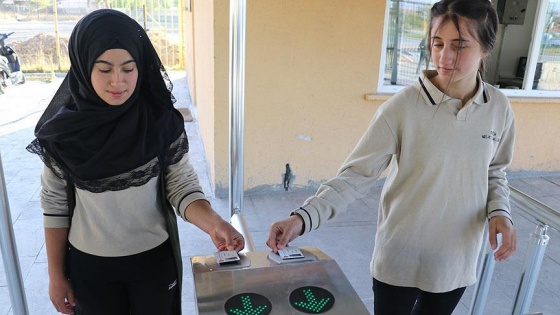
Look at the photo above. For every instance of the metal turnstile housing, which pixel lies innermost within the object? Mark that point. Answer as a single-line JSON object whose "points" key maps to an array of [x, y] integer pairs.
{"points": [[256, 273]]}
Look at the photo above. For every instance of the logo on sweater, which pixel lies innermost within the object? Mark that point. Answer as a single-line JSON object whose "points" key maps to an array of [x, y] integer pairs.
{"points": [[492, 136]]}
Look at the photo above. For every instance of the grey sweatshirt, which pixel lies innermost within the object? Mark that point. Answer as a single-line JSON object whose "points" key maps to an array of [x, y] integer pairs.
{"points": [[447, 177]]}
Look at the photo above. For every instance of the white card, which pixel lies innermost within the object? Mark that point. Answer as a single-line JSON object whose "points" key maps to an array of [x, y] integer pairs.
{"points": [[290, 253], [226, 257]]}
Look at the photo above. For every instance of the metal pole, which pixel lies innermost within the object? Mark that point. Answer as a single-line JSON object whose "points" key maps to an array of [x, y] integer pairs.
{"points": [[535, 46], [9, 252], [485, 270], [530, 273], [236, 114], [181, 26], [396, 44], [56, 37], [144, 15]]}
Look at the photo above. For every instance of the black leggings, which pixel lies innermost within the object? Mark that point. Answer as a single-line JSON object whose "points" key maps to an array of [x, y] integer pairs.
{"points": [[394, 300], [144, 283]]}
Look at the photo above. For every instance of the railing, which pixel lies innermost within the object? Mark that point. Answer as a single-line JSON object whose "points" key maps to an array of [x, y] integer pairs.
{"points": [[546, 217], [9, 252]]}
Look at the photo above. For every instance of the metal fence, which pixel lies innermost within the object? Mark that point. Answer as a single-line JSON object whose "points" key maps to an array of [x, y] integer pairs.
{"points": [[164, 23], [42, 33], [545, 217], [408, 22]]}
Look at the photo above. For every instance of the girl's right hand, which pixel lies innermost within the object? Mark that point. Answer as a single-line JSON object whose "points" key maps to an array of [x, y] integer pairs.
{"points": [[61, 295], [284, 231]]}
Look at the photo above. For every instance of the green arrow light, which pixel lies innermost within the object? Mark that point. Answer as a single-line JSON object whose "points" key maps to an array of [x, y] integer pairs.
{"points": [[313, 300], [312, 304], [248, 304], [248, 308]]}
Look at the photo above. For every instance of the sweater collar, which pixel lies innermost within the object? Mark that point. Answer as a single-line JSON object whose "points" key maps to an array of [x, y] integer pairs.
{"points": [[433, 96]]}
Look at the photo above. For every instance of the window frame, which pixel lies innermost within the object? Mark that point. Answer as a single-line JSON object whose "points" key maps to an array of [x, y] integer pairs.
{"points": [[532, 59]]}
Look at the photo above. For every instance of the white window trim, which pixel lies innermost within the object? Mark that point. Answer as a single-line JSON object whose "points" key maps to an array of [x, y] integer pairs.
{"points": [[532, 59]]}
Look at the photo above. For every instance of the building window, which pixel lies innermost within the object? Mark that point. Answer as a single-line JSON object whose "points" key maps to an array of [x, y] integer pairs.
{"points": [[525, 61]]}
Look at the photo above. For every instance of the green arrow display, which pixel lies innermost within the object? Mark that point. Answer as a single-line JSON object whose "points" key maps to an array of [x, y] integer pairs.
{"points": [[248, 308], [313, 300], [248, 304], [312, 304]]}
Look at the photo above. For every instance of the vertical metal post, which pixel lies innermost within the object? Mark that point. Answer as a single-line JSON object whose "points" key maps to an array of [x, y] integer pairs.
{"points": [[535, 46], [396, 44], [145, 16], [181, 25], [9, 252], [485, 270], [56, 36], [530, 273], [236, 115]]}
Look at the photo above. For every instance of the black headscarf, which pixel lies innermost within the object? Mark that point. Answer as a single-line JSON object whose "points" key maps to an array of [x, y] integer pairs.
{"points": [[80, 135]]}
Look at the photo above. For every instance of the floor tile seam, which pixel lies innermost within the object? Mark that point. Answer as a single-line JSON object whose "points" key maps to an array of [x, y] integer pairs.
{"points": [[525, 215], [35, 262], [557, 262], [252, 205], [549, 179]]}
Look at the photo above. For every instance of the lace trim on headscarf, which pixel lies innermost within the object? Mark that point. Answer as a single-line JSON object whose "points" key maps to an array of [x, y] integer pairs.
{"points": [[177, 150], [134, 178], [35, 147]]}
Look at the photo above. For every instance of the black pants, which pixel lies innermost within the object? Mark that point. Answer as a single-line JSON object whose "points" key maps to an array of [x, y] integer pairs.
{"points": [[394, 300], [144, 283]]}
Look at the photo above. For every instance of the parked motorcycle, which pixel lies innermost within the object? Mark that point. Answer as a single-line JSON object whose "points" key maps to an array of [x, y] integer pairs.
{"points": [[10, 67]]}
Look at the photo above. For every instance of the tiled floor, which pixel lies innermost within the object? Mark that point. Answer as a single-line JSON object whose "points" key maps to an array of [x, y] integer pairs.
{"points": [[348, 239]]}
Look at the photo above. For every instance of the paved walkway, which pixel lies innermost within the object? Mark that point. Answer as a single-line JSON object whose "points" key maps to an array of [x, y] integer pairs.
{"points": [[348, 239]]}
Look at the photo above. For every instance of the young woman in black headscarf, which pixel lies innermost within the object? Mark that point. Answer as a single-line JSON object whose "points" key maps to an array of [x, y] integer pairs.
{"points": [[117, 172]]}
